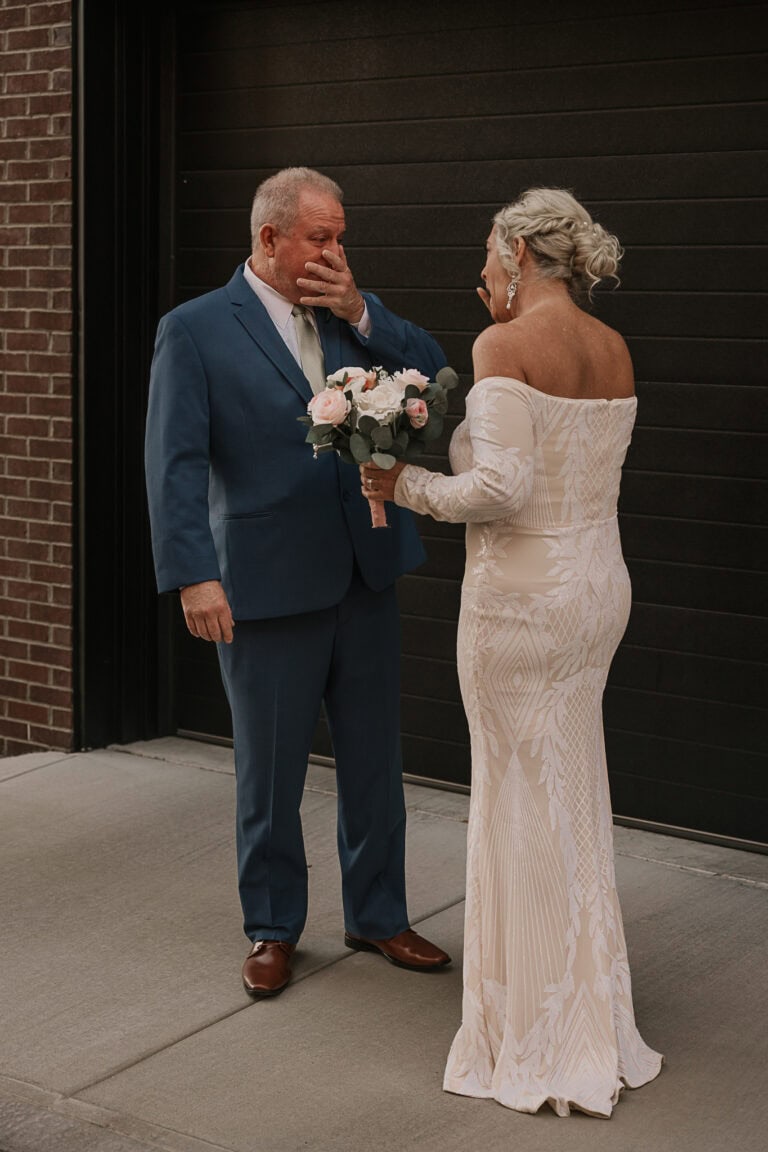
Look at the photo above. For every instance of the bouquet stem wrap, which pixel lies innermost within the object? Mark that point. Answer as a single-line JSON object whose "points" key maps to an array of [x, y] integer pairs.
{"points": [[378, 513]]}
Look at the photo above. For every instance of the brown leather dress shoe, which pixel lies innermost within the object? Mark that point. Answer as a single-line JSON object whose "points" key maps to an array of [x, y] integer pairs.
{"points": [[267, 967], [406, 950]]}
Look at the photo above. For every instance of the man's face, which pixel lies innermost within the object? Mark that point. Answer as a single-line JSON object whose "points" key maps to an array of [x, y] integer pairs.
{"points": [[319, 224]]}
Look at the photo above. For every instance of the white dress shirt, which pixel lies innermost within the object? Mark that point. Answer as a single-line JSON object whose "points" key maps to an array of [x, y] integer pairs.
{"points": [[279, 310]]}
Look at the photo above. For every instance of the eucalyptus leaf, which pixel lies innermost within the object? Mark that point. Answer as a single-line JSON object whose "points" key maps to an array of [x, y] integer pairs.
{"points": [[358, 446], [384, 460], [447, 378], [412, 392], [382, 437], [346, 456], [433, 428], [402, 438], [320, 434], [367, 424]]}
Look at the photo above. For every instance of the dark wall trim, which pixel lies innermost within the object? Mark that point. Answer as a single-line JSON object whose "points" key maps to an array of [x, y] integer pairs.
{"points": [[119, 69]]}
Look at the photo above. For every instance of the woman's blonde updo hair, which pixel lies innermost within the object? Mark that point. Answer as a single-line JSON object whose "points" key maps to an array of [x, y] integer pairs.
{"points": [[561, 236]]}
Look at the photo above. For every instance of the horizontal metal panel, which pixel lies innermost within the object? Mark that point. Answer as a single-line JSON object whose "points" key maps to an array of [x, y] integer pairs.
{"points": [[427, 718], [729, 408], [700, 360], [445, 558], [714, 723], [732, 173], [694, 542], [682, 629], [672, 494], [693, 764], [698, 452], [326, 101], [697, 677], [436, 759], [713, 267], [436, 36], [651, 132], [428, 596], [204, 712], [686, 806], [427, 635], [705, 315], [692, 586], [458, 231], [430, 677]]}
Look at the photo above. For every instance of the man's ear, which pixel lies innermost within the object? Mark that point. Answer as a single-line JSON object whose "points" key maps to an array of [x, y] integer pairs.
{"points": [[267, 234]]}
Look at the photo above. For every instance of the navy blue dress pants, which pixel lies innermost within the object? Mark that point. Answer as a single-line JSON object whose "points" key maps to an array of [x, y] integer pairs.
{"points": [[276, 674]]}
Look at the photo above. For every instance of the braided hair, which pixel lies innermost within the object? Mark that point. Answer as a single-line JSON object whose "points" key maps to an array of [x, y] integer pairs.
{"points": [[562, 237]]}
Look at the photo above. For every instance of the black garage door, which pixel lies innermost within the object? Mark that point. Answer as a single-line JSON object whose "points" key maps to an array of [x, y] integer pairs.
{"points": [[432, 115]]}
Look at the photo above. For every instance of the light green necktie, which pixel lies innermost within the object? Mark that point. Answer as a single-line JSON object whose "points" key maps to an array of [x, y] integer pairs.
{"points": [[310, 348]]}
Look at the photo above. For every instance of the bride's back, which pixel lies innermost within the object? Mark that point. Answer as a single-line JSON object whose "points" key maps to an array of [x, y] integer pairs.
{"points": [[558, 349]]}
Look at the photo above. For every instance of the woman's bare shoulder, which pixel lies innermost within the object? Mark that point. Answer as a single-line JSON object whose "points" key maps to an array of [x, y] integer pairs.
{"points": [[618, 364], [499, 350]]}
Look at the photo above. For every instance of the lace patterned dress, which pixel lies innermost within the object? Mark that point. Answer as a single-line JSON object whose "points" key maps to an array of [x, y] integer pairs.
{"points": [[547, 1007]]}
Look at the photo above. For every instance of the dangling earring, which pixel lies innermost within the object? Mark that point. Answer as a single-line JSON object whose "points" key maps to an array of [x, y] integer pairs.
{"points": [[511, 292]]}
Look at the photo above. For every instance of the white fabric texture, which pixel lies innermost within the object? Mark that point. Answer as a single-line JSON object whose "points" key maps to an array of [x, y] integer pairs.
{"points": [[547, 1007]]}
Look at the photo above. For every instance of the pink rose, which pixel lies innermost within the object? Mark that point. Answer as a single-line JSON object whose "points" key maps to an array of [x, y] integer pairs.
{"points": [[328, 407], [417, 412], [412, 376]]}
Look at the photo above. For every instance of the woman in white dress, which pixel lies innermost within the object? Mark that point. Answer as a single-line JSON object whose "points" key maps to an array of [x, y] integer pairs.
{"points": [[547, 1006]]}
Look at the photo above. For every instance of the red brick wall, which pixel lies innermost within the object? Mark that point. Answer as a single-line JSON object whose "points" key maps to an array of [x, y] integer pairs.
{"points": [[36, 376]]}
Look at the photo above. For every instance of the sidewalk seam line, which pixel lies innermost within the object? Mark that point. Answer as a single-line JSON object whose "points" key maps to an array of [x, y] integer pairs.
{"points": [[745, 880]]}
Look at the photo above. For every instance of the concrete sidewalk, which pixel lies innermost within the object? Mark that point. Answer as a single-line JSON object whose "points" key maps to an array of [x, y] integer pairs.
{"points": [[124, 1026]]}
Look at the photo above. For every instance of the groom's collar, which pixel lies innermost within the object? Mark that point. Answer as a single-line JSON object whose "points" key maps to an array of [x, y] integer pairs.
{"points": [[278, 307]]}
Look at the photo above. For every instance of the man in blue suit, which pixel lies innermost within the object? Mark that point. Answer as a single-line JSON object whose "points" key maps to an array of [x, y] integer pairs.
{"points": [[278, 564]]}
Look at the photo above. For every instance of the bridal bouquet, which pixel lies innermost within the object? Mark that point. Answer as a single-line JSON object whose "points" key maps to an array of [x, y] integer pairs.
{"points": [[367, 414]]}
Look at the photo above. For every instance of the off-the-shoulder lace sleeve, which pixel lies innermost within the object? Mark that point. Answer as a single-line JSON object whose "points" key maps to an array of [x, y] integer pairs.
{"points": [[500, 421]]}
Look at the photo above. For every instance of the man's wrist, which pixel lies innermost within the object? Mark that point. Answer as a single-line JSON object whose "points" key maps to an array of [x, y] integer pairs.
{"points": [[359, 314], [363, 326]]}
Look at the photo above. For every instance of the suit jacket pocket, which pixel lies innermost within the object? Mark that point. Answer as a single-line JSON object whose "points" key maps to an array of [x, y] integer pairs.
{"points": [[245, 515]]}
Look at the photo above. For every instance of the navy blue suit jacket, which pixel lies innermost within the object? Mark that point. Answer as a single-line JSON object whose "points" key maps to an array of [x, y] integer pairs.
{"points": [[234, 492]]}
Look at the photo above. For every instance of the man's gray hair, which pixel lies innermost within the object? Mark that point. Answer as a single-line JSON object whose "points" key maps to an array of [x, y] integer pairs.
{"points": [[277, 198]]}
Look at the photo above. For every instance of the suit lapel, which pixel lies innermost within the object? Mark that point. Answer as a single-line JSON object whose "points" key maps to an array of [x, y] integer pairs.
{"points": [[252, 314]]}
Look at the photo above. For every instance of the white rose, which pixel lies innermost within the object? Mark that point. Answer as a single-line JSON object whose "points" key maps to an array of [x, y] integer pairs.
{"points": [[412, 376], [357, 378], [358, 386], [381, 402]]}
